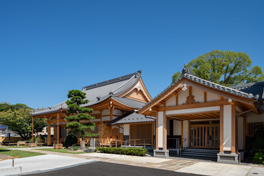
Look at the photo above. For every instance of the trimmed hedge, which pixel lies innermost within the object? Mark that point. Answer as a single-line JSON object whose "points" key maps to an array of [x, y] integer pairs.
{"points": [[123, 151]]}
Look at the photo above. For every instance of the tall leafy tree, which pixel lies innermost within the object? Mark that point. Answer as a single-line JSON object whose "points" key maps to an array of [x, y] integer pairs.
{"points": [[78, 113], [17, 118], [224, 67]]}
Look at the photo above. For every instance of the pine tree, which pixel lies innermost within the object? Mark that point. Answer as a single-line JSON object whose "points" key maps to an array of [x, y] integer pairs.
{"points": [[78, 113]]}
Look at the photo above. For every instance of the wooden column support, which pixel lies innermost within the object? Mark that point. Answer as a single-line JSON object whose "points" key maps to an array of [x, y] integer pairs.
{"points": [[234, 125], [164, 131], [157, 131], [58, 128], [49, 135], [181, 133], [221, 128]]}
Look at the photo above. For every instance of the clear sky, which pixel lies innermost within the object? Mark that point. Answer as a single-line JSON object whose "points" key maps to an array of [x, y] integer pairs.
{"points": [[50, 47]]}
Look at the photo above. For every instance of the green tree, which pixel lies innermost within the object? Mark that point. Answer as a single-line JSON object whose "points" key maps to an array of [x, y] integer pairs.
{"points": [[77, 98], [224, 67], [17, 117]]}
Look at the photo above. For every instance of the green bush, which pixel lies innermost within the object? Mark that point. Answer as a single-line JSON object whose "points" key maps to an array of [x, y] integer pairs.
{"points": [[70, 140], [39, 139], [123, 151], [258, 146], [259, 157]]}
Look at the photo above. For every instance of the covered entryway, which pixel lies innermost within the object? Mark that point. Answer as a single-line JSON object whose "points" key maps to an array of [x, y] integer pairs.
{"points": [[205, 134]]}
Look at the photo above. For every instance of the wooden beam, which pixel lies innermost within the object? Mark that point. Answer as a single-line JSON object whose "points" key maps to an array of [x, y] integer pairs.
{"points": [[205, 97], [193, 106], [221, 128], [161, 97]]}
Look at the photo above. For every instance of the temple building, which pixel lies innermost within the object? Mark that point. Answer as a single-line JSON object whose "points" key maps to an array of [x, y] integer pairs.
{"points": [[208, 119], [114, 104]]}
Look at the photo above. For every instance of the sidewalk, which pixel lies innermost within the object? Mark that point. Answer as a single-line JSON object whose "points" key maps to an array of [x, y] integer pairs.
{"points": [[182, 165]]}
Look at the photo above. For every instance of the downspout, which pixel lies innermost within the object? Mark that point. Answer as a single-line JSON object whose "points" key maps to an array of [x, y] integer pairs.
{"points": [[244, 112]]}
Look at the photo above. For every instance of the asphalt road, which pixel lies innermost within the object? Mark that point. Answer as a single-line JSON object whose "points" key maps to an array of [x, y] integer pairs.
{"points": [[104, 168]]}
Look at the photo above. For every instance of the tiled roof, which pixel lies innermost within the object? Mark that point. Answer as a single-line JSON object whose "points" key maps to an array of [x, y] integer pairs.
{"points": [[99, 92], [132, 118], [188, 75], [257, 89]]}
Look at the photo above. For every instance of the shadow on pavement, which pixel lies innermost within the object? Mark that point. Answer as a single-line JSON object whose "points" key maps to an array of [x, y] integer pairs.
{"points": [[104, 168]]}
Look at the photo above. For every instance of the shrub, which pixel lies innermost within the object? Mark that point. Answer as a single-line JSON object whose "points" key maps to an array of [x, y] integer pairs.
{"points": [[70, 140], [259, 157], [123, 151]]}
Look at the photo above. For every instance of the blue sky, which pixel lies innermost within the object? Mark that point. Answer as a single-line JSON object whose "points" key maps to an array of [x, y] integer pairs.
{"points": [[50, 47]]}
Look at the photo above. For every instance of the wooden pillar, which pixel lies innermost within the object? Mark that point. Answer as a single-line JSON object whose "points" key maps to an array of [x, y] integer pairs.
{"points": [[152, 133], [181, 133], [49, 135], [164, 131], [244, 132], [111, 112], [157, 131], [205, 97], [58, 129], [233, 138], [32, 129], [190, 94], [221, 128]]}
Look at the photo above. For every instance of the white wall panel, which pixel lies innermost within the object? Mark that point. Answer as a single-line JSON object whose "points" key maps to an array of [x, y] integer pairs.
{"points": [[227, 127], [198, 94], [171, 101], [176, 127], [126, 129], [160, 129]]}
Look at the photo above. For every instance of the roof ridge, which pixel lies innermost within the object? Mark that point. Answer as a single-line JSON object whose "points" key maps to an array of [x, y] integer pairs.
{"points": [[111, 81]]}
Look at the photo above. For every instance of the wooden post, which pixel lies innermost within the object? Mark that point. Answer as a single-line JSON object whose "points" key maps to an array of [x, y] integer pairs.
{"points": [[58, 129], [221, 129], [164, 131], [32, 129], [233, 138], [49, 135], [244, 132], [157, 131], [181, 133]]}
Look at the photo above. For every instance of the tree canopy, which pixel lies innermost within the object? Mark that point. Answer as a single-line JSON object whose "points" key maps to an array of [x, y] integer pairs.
{"points": [[224, 67], [17, 118], [77, 98]]}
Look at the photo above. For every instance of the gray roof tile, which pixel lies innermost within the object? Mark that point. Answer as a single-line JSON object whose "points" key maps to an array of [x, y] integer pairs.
{"points": [[132, 118]]}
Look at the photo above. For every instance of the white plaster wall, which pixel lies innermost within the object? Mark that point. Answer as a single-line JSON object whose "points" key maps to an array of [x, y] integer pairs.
{"points": [[227, 127], [240, 133], [126, 129], [171, 101], [96, 120], [186, 133], [106, 118], [96, 112], [105, 112], [160, 129], [182, 95], [212, 97], [121, 129], [176, 127], [198, 94], [117, 112], [215, 108], [252, 117]]}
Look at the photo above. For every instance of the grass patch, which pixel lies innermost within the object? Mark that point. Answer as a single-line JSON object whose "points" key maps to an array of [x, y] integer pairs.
{"points": [[21, 153], [61, 151]]}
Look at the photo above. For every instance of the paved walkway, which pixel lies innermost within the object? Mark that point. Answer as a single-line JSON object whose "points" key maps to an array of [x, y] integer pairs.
{"points": [[171, 164]]}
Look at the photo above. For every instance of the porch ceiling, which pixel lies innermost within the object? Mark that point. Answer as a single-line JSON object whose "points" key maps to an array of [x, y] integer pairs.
{"points": [[192, 116]]}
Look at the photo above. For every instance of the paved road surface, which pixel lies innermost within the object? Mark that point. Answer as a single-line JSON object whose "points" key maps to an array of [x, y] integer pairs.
{"points": [[106, 169]]}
